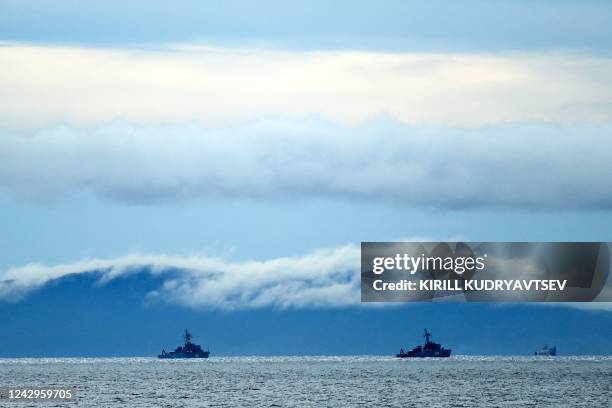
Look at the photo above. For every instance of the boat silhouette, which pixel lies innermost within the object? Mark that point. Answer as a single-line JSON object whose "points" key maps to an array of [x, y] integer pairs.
{"points": [[429, 349], [188, 350], [546, 351]]}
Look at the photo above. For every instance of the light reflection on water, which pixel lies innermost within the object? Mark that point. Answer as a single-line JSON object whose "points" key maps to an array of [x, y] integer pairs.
{"points": [[468, 381]]}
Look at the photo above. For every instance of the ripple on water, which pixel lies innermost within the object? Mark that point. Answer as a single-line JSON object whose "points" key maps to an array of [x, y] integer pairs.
{"points": [[468, 381]]}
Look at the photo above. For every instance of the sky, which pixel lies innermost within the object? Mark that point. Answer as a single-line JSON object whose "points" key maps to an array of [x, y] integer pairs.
{"points": [[216, 165]]}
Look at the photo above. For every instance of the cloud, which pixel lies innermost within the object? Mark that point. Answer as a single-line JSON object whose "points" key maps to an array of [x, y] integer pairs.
{"points": [[514, 166], [324, 278], [42, 85], [589, 306]]}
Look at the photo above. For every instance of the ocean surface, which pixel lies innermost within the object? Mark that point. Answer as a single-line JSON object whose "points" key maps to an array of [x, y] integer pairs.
{"points": [[461, 381]]}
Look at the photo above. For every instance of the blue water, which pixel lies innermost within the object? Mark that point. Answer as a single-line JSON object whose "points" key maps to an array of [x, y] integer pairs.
{"points": [[462, 381]]}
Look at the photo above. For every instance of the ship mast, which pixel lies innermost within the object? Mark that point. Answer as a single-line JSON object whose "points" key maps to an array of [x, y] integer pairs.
{"points": [[187, 336], [427, 335]]}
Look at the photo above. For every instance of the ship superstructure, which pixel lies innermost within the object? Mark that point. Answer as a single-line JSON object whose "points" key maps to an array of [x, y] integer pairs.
{"points": [[546, 351], [429, 349], [187, 350]]}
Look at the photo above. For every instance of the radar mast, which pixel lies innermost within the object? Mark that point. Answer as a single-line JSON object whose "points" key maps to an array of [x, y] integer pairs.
{"points": [[187, 336], [427, 335]]}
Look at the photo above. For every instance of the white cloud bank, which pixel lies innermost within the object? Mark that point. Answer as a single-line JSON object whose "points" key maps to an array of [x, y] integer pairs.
{"points": [[186, 122], [43, 84], [325, 278], [520, 166]]}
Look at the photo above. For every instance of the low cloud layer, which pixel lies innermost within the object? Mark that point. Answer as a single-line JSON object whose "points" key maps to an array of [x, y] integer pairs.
{"points": [[42, 85], [325, 278], [507, 166]]}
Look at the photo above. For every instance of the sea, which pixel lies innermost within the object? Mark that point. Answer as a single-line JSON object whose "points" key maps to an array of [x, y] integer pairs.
{"points": [[325, 381]]}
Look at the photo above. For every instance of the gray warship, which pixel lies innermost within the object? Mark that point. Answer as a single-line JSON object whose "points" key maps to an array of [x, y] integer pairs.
{"points": [[429, 349], [188, 350], [546, 351]]}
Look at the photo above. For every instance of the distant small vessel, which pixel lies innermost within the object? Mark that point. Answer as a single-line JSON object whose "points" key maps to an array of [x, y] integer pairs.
{"points": [[188, 350], [546, 351], [429, 349]]}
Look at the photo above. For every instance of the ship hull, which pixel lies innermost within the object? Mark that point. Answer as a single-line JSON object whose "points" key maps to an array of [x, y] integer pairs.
{"points": [[426, 354], [173, 356]]}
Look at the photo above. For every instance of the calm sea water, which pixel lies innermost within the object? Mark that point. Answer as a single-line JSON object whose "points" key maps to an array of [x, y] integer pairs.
{"points": [[460, 381]]}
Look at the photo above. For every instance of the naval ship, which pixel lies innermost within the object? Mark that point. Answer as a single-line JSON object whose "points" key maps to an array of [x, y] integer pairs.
{"points": [[188, 350], [546, 351], [429, 349]]}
